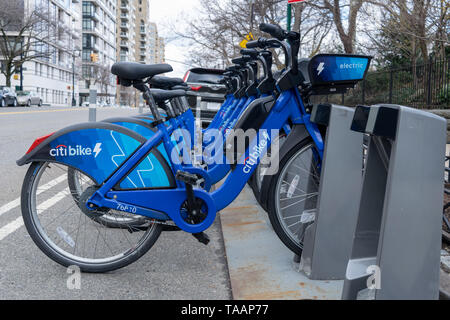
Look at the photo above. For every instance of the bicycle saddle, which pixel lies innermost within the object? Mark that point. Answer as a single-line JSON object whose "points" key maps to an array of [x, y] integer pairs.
{"points": [[138, 71], [162, 82], [162, 95]]}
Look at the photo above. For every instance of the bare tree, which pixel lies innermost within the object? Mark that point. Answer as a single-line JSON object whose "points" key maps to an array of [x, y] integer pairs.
{"points": [[416, 26], [221, 25], [103, 77], [343, 12], [24, 35]]}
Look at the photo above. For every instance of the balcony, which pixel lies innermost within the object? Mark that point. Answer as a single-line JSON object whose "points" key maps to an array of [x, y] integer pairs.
{"points": [[125, 25], [92, 15], [124, 7], [96, 31], [123, 44], [124, 16], [124, 35]]}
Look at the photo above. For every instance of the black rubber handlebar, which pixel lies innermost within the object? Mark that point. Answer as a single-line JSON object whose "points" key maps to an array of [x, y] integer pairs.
{"points": [[250, 52], [274, 30], [241, 60], [264, 43], [252, 44]]}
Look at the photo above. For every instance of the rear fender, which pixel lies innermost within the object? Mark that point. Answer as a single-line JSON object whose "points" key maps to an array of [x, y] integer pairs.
{"points": [[95, 148], [139, 126]]}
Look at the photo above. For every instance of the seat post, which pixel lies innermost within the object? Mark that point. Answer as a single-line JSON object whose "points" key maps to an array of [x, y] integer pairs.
{"points": [[141, 86]]}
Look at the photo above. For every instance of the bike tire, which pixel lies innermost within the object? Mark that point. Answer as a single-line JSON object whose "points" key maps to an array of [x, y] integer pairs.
{"points": [[104, 219], [41, 240], [275, 216]]}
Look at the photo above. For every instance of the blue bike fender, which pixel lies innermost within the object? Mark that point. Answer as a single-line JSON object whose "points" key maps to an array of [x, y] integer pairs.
{"points": [[95, 148]]}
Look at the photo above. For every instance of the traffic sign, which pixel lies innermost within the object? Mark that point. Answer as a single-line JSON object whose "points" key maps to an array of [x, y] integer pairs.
{"points": [[247, 38]]}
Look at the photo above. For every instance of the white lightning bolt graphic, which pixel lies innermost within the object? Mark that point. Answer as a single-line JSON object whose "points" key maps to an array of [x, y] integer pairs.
{"points": [[97, 149], [320, 68], [119, 155]]}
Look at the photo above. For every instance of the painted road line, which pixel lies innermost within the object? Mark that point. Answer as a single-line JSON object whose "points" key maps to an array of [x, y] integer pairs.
{"points": [[16, 224], [16, 202], [40, 111]]}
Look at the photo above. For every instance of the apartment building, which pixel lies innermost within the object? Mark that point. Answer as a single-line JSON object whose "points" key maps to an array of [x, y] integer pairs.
{"points": [[156, 45], [51, 76], [137, 40], [98, 49]]}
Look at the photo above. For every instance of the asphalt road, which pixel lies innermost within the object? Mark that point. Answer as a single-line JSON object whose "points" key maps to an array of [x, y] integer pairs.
{"points": [[177, 267]]}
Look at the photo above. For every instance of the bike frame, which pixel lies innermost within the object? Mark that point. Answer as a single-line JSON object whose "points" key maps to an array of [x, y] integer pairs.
{"points": [[166, 204]]}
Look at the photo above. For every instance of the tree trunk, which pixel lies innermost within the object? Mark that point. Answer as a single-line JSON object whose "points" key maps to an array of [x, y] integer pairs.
{"points": [[8, 76]]}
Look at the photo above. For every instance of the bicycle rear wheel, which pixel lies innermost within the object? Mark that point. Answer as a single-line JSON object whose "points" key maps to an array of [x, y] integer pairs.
{"points": [[67, 235], [78, 183]]}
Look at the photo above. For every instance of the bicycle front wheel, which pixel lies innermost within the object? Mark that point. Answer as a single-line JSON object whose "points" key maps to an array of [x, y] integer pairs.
{"points": [[66, 234], [293, 194]]}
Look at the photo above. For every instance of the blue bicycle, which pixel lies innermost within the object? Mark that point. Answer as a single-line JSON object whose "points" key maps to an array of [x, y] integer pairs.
{"points": [[135, 176]]}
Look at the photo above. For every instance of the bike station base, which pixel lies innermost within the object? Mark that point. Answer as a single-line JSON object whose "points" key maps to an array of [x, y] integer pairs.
{"points": [[260, 266]]}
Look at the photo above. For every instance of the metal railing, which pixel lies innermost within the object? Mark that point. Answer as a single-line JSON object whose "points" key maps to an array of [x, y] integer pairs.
{"points": [[421, 86]]}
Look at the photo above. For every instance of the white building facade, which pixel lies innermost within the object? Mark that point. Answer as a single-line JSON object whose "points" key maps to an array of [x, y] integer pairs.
{"points": [[98, 48], [52, 76]]}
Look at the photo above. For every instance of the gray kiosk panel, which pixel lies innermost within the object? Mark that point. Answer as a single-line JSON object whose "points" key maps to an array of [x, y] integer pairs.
{"points": [[328, 241], [397, 240]]}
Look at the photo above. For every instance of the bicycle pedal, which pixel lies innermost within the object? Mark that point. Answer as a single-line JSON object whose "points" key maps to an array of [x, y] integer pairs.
{"points": [[201, 237], [188, 178]]}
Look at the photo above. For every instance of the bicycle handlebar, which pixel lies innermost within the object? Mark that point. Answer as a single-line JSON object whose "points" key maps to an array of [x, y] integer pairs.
{"points": [[241, 60], [250, 52], [264, 43], [274, 30]]}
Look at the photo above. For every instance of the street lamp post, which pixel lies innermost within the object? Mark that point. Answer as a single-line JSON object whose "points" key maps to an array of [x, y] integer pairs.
{"points": [[75, 54]]}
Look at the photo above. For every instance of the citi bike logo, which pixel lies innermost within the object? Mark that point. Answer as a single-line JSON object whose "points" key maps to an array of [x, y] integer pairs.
{"points": [[69, 151], [320, 68], [257, 150]]}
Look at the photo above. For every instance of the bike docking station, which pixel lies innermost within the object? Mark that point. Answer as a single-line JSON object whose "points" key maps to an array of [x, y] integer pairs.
{"points": [[378, 228], [328, 240], [397, 239]]}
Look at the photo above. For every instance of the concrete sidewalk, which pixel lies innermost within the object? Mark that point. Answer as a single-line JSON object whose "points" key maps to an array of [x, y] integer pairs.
{"points": [[262, 268]]}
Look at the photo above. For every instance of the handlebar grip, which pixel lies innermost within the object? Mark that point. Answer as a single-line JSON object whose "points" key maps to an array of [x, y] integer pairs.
{"points": [[250, 52], [241, 60], [274, 30], [252, 44]]}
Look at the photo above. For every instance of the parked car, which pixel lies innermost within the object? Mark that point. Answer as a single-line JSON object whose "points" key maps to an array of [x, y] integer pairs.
{"points": [[205, 84], [28, 98], [8, 97]]}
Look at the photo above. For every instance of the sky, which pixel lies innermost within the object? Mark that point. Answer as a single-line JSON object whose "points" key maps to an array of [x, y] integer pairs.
{"points": [[175, 12]]}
